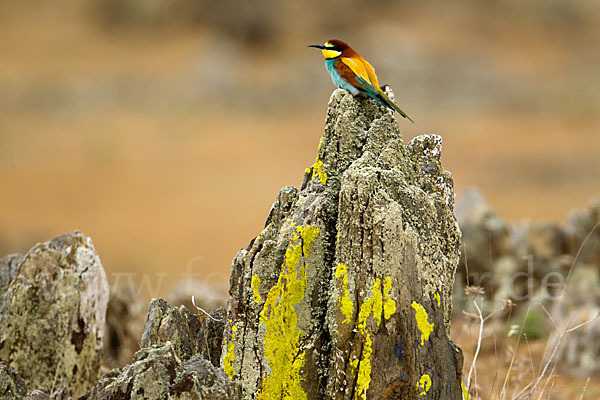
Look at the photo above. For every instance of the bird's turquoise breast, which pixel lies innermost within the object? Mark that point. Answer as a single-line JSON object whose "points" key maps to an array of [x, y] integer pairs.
{"points": [[337, 78]]}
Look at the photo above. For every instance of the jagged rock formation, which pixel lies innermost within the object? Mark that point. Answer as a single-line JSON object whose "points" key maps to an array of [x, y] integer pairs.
{"points": [[52, 314], [346, 293], [189, 333], [12, 386], [171, 363]]}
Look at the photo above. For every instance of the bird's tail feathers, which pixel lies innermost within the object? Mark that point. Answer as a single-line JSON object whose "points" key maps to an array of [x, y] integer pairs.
{"points": [[387, 101]]}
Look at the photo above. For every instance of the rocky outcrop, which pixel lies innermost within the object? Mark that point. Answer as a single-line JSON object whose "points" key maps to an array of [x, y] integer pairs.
{"points": [[12, 386], [346, 293], [53, 314], [173, 362], [175, 324], [157, 373]]}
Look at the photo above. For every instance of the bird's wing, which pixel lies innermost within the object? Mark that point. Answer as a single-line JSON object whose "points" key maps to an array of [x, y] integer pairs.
{"points": [[355, 75], [362, 69], [360, 74]]}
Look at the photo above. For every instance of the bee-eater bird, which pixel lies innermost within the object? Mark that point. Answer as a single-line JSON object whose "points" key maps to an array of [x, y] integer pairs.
{"points": [[353, 73]]}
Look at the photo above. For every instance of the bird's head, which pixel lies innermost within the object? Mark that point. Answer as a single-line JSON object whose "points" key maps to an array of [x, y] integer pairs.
{"points": [[332, 48]]}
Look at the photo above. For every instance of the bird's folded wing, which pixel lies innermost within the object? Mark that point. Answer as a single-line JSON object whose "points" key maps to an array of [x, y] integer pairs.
{"points": [[362, 69]]}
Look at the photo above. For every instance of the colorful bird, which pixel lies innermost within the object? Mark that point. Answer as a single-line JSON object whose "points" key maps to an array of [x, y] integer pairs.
{"points": [[353, 73]]}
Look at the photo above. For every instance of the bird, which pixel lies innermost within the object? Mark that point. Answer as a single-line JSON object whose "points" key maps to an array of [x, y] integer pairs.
{"points": [[353, 73]]}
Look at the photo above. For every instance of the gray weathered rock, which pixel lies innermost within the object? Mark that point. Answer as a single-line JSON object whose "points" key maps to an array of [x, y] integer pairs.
{"points": [[9, 266], [175, 324], [211, 336], [12, 386], [157, 373], [189, 334], [52, 317], [346, 293]]}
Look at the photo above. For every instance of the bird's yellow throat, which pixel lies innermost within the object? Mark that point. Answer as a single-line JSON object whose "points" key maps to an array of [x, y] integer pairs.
{"points": [[331, 53]]}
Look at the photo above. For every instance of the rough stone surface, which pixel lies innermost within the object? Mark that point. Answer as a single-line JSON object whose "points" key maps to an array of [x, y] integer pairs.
{"points": [[346, 293], [211, 335], [53, 315], [9, 266], [157, 373], [175, 324], [12, 386], [189, 334]]}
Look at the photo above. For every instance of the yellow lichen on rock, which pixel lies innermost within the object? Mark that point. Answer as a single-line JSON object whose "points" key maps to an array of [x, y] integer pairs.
{"points": [[424, 385], [282, 338], [255, 284], [374, 306], [389, 305], [230, 355], [465, 391], [424, 326], [344, 301], [318, 171], [437, 297]]}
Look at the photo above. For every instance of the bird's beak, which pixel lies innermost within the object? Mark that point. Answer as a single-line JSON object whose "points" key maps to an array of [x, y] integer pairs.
{"points": [[318, 46]]}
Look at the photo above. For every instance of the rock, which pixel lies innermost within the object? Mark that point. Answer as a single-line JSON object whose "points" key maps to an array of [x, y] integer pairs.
{"points": [[37, 395], [211, 335], [53, 316], [12, 386], [189, 334], [125, 319], [174, 324], [346, 293], [9, 266], [157, 373], [580, 225]]}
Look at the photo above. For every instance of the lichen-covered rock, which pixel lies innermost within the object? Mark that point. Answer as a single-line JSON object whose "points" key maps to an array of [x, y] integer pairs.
{"points": [[53, 315], [12, 386], [175, 324], [37, 395], [346, 293], [9, 266], [157, 373], [188, 333], [211, 335]]}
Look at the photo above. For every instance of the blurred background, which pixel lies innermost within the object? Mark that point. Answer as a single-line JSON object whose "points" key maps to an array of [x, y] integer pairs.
{"points": [[164, 129]]}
